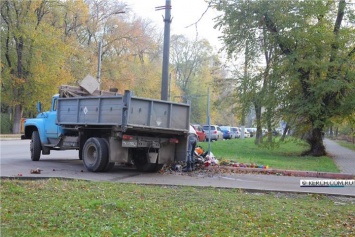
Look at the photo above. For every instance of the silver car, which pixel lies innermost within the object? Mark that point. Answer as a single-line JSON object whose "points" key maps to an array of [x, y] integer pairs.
{"points": [[236, 132], [215, 133]]}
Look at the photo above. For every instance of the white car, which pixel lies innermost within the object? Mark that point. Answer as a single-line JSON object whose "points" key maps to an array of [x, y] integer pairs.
{"points": [[236, 132], [215, 133]]}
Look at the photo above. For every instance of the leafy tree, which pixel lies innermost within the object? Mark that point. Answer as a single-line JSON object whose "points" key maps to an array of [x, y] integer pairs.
{"points": [[315, 42], [33, 55], [195, 68]]}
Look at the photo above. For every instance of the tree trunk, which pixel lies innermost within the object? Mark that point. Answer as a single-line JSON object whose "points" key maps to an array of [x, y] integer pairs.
{"points": [[258, 134], [331, 132], [269, 129], [315, 140], [16, 128], [285, 132]]}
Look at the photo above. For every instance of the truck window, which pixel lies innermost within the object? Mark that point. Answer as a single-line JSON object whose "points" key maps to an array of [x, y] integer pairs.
{"points": [[55, 102]]}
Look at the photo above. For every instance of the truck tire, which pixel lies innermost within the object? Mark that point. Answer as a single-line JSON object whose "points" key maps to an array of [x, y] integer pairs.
{"points": [[141, 161], [109, 164], [35, 146], [95, 154]]}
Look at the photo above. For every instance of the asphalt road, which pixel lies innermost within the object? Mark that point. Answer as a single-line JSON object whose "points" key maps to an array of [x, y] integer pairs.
{"points": [[16, 162]]}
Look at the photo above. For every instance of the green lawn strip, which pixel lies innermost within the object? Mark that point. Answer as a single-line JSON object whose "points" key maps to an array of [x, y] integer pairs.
{"points": [[346, 144], [78, 208], [285, 155]]}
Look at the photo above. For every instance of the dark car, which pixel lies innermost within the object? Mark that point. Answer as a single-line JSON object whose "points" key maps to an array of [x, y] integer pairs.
{"points": [[227, 132], [200, 133], [252, 131]]}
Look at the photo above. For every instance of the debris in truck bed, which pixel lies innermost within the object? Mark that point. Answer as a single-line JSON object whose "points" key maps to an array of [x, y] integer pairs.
{"points": [[66, 91]]}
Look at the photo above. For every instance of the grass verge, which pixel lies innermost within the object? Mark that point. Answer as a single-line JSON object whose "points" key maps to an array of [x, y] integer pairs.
{"points": [[284, 155], [346, 144], [79, 208]]}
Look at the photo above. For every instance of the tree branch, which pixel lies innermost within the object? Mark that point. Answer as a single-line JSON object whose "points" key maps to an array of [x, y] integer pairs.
{"points": [[272, 28]]}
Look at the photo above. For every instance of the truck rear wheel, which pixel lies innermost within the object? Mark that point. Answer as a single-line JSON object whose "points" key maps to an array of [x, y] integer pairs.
{"points": [[142, 163], [109, 164], [95, 154], [35, 146]]}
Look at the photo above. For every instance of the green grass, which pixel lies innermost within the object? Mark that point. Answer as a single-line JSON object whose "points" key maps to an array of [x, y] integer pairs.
{"points": [[346, 144], [79, 208], [285, 155]]}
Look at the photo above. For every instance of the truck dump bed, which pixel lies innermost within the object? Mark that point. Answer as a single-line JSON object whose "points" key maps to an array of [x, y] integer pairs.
{"points": [[125, 111]]}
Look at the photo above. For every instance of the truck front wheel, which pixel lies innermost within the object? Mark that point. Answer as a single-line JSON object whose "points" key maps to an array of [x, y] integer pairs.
{"points": [[35, 146], [95, 154]]}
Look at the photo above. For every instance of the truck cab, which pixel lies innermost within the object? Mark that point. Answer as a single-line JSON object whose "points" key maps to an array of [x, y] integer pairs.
{"points": [[44, 123], [43, 128]]}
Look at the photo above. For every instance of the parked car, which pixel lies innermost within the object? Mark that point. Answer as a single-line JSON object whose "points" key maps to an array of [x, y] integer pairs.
{"points": [[247, 134], [227, 132], [235, 132], [215, 132], [200, 133]]}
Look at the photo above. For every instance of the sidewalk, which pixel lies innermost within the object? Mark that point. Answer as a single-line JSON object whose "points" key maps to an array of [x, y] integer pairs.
{"points": [[343, 157]]}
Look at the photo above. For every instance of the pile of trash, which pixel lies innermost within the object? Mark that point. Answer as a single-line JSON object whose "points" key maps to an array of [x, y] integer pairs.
{"points": [[204, 159]]}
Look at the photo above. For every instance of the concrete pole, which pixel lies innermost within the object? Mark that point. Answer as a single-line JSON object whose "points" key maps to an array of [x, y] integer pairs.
{"points": [[209, 121], [166, 48], [99, 65]]}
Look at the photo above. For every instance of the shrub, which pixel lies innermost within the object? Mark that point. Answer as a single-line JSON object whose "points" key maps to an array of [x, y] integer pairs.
{"points": [[6, 125]]}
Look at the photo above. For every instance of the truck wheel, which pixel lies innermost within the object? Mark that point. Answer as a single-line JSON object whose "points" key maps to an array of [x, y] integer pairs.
{"points": [[95, 154], [109, 164], [35, 146], [141, 161]]}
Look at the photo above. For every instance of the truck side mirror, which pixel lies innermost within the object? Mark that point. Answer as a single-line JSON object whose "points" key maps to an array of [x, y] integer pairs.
{"points": [[39, 107]]}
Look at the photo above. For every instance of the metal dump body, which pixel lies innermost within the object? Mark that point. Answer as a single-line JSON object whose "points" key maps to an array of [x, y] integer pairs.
{"points": [[124, 111]]}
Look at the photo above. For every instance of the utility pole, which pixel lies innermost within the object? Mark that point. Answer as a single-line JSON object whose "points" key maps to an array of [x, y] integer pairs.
{"points": [[166, 48], [209, 121], [98, 77], [246, 62]]}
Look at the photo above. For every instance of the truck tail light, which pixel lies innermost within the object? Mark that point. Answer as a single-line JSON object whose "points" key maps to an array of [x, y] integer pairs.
{"points": [[173, 140], [127, 137]]}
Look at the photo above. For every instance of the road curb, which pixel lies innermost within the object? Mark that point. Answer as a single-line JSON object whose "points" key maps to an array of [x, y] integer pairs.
{"points": [[6, 137], [296, 173], [248, 190]]}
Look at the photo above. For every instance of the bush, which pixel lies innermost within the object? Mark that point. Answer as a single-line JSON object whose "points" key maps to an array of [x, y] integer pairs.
{"points": [[6, 125]]}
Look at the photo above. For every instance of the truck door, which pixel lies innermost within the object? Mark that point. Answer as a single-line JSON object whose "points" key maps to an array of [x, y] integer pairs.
{"points": [[51, 128]]}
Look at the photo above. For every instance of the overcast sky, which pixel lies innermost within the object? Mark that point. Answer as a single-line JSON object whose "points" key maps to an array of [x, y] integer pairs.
{"points": [[184, 13]]}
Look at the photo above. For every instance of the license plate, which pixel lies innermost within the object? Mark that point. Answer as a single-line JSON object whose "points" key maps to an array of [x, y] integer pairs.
{"points": [[129, 143]]}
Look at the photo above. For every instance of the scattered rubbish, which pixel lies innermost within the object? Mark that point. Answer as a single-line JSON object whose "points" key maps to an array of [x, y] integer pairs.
{"points": [[35, 171], [177, 168], [205, 160], [243, 165]]}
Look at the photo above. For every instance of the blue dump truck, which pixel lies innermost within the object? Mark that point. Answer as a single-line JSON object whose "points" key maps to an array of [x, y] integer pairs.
{"points": [[110, 128]]}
